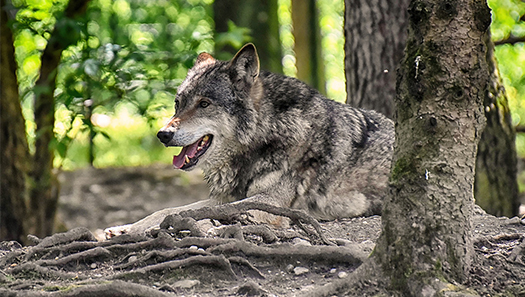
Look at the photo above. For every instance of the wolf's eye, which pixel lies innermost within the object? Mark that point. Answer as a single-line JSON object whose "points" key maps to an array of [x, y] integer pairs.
{"points": [[204, 104]]}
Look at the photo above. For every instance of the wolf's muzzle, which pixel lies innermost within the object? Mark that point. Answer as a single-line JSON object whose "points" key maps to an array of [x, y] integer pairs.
{"points": [[165, 136]]}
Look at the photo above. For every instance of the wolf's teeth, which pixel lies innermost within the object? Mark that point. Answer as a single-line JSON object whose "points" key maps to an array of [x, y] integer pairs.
{"points": [[187, 159], [205, 138]]}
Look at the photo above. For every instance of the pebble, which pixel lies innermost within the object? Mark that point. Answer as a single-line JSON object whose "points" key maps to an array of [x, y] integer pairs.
{"points": [[300, 270], [300, 241], [193, 247], [333, 271], [289, 268], [93, 265], [342, 274], [132, 258], [186, 284]]}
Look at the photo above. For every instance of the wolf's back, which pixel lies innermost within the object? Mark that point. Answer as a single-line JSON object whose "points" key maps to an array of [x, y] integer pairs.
{"points": [[336, 157]]}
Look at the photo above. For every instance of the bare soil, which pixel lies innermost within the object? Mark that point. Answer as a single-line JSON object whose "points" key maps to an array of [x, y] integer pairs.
{"points": [[221, 255]]}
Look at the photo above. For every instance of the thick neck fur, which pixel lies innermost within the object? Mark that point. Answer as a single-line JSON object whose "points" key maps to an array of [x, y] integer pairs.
{"points": [[285, 112]]}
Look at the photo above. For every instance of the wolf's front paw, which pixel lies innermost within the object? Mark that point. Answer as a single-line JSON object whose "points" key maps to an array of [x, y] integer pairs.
{"points": [[117, 230]]}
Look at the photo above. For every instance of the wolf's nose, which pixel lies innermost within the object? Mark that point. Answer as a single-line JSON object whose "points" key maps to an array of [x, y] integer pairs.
{"points": [[165, 136]]}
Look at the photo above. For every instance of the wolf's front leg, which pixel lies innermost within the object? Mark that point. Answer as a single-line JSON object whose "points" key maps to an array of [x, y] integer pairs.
{"points": [[153, 221]]}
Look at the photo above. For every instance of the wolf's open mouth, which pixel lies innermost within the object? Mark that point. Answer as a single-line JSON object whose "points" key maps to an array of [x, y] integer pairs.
{"points": [[189, 156]]}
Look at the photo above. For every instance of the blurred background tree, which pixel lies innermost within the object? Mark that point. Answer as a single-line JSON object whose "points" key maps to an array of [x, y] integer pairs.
{"points": [[116, 83]]}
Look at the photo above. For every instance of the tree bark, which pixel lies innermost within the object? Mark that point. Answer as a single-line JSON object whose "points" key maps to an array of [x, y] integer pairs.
{"points": [[375, 34], [307, 47], [44, 190], [496, 184], [260, 16], [426, 236], [14, 149]]}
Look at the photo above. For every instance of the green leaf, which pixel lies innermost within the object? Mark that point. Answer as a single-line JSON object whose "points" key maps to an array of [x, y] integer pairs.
{"points": [[91, 67]]}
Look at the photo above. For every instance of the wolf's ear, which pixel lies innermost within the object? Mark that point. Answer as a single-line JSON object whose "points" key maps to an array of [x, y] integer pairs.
{"points": [[245, 66]]}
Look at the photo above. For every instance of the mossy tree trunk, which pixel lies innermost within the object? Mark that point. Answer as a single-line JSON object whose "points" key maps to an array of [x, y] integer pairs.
{"points": [[14, 150], [260, 16], [442, 80], [496, 184], [307, 47], [375, 34]]}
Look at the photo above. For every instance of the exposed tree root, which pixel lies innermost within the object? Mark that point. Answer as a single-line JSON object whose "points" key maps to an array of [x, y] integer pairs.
{"points": [[75, 262], [216, 261], [33, 269], [115, 288], [227, 212], [89, 255], [328, 254], [240, 258]]}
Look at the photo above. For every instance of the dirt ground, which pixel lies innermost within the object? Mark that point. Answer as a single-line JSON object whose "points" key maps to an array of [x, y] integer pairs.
{"points": [[222, 255]]}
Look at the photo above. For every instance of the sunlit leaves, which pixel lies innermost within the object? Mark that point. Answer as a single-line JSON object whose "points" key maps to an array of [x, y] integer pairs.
{"points": [[506, 22], [235, 36], [505, 18]]}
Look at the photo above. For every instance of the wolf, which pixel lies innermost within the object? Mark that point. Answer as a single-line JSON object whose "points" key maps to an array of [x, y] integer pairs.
{"points": [[261, 136]]}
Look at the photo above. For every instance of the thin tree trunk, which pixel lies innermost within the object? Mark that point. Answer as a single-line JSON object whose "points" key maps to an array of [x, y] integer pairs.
{"points": [[260, 16], [14, 150], [426, 237], [496, 184], [375, 34], [307, 48], [44, 190]]}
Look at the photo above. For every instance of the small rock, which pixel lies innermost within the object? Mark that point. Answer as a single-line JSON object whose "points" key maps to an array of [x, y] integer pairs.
{"points": [[514, 220], [186, 284], [193, 247], [333, 271], [93, 265], [342, 274], [300, 241], [132, 259], [289, 268], [95, 189], [250, 289], [300, 270]]}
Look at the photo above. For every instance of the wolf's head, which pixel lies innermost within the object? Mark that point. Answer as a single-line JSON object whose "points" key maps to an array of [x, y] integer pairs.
{"points": [[215, 109]]}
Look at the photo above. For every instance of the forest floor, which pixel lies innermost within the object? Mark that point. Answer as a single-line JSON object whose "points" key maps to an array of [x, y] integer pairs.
{"points": [[219, 254]]}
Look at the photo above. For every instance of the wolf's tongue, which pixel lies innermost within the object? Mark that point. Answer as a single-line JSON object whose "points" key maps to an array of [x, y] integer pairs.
{"points": [[190, 151]]}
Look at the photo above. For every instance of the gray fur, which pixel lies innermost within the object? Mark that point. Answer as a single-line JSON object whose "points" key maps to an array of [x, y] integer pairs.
{"points": [[277, 140]]}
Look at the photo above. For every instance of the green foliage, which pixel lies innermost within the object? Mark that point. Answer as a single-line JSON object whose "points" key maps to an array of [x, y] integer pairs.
{"points": [[116, 86], [236, 36], [507, 21], [131, 57]]}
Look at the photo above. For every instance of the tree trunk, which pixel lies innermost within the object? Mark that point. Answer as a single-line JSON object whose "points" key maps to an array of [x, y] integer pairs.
{"points": [[426, 237], [307, 48], [496, 184], [14, 149], [260, 16], [44, 190], [375, 34]]}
